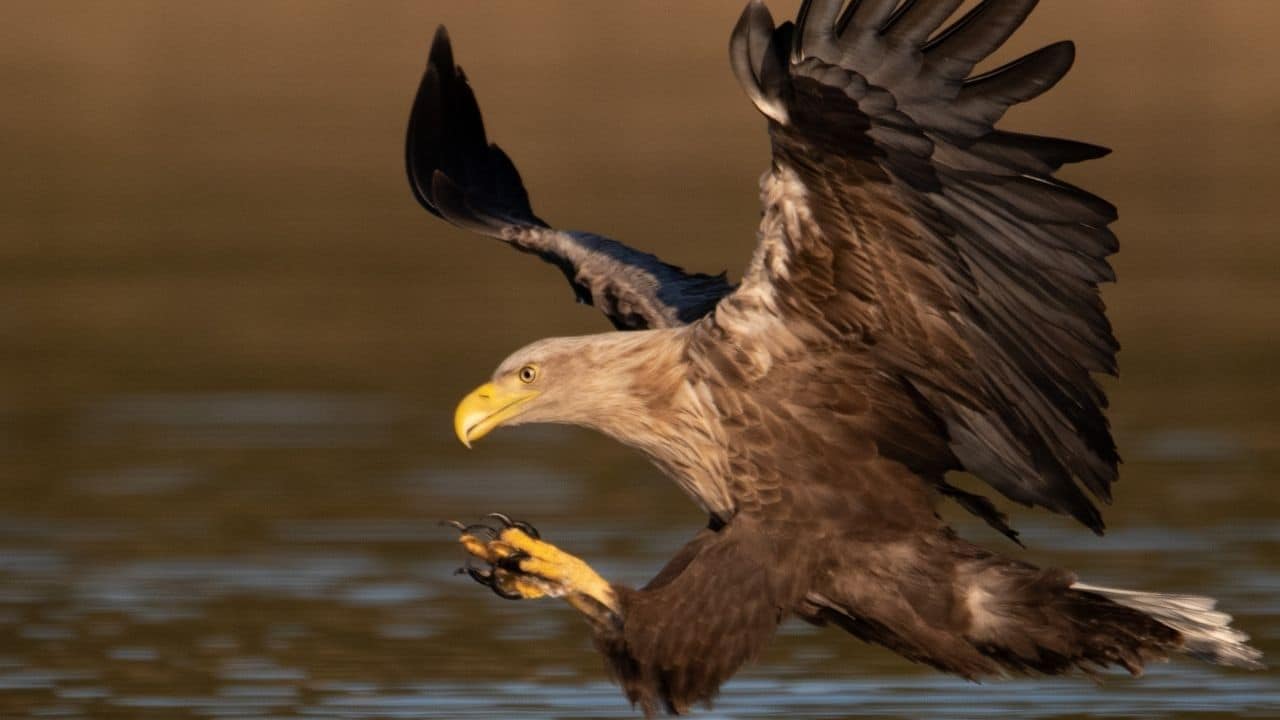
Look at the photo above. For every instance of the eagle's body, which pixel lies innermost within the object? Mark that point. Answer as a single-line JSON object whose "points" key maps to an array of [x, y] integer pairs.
{"points": [[923, 299]]}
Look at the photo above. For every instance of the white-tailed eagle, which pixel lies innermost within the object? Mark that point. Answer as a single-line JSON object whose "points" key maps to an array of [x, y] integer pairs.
{"points": [[923, 298]]}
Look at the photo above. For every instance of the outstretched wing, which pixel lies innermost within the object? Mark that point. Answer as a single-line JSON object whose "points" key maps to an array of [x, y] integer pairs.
{"points": [[901, 226], [458, 175]]}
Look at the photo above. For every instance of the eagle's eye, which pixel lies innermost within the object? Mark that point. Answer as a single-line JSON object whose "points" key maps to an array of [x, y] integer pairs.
{"points": [[528, 374]]}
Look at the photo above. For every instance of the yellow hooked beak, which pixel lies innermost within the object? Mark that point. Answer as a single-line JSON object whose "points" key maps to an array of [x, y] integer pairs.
{"points": [[487, 407]]}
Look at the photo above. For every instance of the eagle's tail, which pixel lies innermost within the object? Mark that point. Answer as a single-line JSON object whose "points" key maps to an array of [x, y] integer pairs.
{"points": [[964, 610], [1206, 632]]}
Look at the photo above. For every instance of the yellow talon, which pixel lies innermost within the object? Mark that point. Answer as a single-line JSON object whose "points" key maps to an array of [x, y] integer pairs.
{"points": [[527, 567], [571, 574], [477, 547], [529, 589], [502, 549], [489, 551]]}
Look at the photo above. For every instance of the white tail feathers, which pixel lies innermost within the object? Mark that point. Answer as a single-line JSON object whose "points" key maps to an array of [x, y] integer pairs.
{"points": [[1206, 632]]}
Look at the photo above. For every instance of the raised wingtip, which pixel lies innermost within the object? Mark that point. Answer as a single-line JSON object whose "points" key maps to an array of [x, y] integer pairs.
{"points": [[441, 54], [453, 169], [753, 58], [1064, 51]]}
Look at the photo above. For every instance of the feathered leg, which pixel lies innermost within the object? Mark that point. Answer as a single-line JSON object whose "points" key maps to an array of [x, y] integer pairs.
{"points": [[672, 643]]}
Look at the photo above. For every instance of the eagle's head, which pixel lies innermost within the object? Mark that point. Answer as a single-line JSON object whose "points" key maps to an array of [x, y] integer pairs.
{"points": [[609, 382]]}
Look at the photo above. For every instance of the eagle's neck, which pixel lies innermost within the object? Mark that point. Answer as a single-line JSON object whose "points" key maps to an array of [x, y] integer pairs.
{"points": [[654, 406]]}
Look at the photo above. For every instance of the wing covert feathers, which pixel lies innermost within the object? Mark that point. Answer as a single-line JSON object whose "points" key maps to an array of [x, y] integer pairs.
{"points": [[942, 233], [458, 175]]}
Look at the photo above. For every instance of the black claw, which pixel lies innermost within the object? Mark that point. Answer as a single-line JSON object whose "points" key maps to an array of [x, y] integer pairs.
{"points": [[478, 529], [489, 577], [520, 525], [484, 577], [502, 518], [505, 595], [473, 529]]}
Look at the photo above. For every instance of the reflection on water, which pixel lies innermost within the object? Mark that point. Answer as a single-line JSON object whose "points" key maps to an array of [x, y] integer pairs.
{"points": [[313, 612], [237, 421], [232, 344]]}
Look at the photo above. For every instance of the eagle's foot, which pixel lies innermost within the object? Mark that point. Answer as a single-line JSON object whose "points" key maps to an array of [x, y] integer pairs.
{"points": [[522, 566]]}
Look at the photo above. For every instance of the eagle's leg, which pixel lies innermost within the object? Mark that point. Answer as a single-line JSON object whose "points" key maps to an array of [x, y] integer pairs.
{"points": [[523, 566], [671, 643]]}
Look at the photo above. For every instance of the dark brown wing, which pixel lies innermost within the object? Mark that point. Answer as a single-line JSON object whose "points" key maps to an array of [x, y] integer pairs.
{"points": [[458, 175], [901, 226]]}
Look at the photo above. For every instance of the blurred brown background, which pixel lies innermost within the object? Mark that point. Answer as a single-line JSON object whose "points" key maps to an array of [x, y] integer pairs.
{"points": [[229, 332]]}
